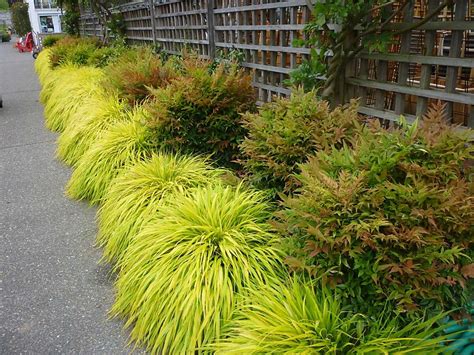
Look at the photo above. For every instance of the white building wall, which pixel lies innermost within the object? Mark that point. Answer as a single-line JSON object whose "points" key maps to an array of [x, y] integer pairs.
{"points": [[36, 14]]}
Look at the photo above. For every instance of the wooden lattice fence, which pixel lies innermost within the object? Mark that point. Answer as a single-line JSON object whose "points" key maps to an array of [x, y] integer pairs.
{"points": [[433, 62]]}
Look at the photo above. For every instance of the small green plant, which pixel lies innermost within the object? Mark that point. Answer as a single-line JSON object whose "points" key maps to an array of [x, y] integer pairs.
{"points": [[284, 133], [71, 20], [137, 194], [227, 59], [200, 112], [309, 74], [117, 26], [182, 275], [135, 72], [5, 37], [20, 18], [391, 219], [94, 116], [300, 317], [73, 50], [4, 5], [51, 40], [122, 145], [66, 92]]}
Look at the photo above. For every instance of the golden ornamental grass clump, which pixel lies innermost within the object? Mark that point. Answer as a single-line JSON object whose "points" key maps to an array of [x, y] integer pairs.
{"points": [[42, 67], [49, 81], [96, 115], [181, 277], [138, 193], [122, 145], [303, 317], [71, 87]]}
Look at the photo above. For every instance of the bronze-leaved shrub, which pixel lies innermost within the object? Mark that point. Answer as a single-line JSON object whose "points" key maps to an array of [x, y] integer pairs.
{"points": [[135, 72], [285, 132], [73, 50], [390, 222], [200, 112]]}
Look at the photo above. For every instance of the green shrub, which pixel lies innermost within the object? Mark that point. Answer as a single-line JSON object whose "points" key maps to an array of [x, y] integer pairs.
{"points": [[390, 220], [51, 40], [183, 273], [117, 26], [73, 50], [284, 133], [123, 144], [4, 5], [69, 88], [137, 70], [301, 318], [95, 115], [71, 21], [102, 56], [139, 192], [5, 37], [20, 18], [200, 112]]}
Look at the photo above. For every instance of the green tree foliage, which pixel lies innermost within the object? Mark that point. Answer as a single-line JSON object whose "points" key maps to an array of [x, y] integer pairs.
{"points": [[117, 26], [71, 21], [20, 18], [285, 132], [339, 30], [390, 220], [4, 5]]}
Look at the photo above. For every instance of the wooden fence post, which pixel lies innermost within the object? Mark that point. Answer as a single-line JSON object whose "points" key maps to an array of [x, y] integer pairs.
{"points": [[210, 29], [404, 68], [452, 72], [153, 21]]}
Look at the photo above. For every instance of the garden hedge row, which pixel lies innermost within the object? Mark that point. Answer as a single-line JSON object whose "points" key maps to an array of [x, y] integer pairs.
{"points": [[290, 229]]}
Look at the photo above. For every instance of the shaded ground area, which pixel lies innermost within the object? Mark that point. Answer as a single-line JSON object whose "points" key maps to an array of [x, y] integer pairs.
{"points": [[54, 296]]}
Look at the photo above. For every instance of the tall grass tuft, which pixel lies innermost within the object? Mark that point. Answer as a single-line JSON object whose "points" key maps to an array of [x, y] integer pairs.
{"points": [[181, 277], [42, 65], [72, 87], [91, 120], [49, 82], [301, 318], [123, 144], [139, 192]]}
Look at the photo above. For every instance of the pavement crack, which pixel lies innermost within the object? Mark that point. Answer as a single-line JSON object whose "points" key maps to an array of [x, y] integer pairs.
{"points": [[26, 144], [20, 91]]}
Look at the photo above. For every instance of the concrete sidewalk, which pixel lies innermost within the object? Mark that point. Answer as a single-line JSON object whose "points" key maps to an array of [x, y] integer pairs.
{"points": [[54, 296]]}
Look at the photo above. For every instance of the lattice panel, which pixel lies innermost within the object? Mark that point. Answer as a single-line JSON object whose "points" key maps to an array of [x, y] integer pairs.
{"points": [[138, 21], [90, 27], [434, 62], [182, 24], [264, 31]]}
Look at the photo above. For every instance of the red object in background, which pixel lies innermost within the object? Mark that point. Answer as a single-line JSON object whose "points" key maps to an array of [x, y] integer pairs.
{"points": [[25, 44]]}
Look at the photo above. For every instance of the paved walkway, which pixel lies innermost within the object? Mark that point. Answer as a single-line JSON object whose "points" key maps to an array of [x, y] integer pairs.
{"points": [[54, 296]]}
